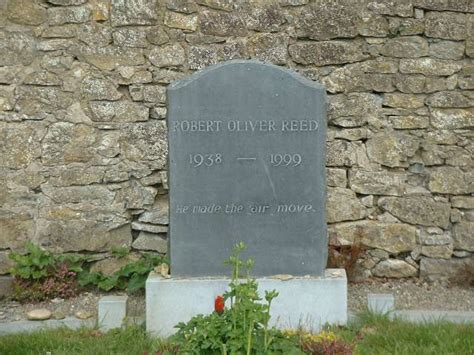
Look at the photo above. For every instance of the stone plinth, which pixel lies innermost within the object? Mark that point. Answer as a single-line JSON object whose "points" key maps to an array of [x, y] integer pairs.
{"points": [[112, 312], [307, 302]]}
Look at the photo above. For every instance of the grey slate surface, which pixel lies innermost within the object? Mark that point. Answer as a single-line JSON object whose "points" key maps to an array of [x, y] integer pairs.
{"points": [[247, 163]]}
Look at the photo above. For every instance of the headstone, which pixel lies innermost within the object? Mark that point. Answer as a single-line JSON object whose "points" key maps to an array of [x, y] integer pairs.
{"points": [[247, 163]]}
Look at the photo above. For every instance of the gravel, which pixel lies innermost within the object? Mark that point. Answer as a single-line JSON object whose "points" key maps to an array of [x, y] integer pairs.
{"points": [[409, 294], [413, 294]]}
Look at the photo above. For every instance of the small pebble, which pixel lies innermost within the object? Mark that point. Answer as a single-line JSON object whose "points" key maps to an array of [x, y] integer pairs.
{"points": [[38, 314], [83, 315], [59, 315]]}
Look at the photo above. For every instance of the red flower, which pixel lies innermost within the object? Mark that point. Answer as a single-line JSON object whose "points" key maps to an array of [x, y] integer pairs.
{"points": [[219, 304]]}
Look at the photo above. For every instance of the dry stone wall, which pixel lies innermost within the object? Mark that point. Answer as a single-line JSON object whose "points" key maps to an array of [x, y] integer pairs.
{"points": [[83, 100]]}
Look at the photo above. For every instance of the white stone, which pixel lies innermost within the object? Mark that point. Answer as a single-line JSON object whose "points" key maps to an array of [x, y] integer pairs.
{"points": [[307, 302], [39, 314], [381, 303], [112, 311]]}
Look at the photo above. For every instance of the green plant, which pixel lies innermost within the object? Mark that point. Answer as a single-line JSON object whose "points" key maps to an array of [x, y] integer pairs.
{"points": [[40, 275], [35, 264], [131, 277], [369, 335], [241, 329], [120, 252]]}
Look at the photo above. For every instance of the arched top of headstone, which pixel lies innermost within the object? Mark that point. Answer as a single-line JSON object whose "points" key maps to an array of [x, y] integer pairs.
{"points": [[243, 67]]}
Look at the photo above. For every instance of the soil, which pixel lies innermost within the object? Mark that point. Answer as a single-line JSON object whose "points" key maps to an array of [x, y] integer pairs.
{"points": [[409, 294], [413, 294]]}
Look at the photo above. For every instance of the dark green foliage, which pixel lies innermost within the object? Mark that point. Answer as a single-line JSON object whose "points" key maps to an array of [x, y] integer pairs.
{"points": [[131, 277], [38, 263], [41, 275]]}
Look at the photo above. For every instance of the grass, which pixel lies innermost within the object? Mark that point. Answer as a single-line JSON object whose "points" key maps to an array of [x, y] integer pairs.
{"points": [[131, 340], [375, 334], [372, 334]]}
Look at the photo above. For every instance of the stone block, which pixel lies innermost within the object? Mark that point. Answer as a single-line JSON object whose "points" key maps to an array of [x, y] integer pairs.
{"points": [[417, 210], [222, 23], [181, 21], [378, 182], [463, 202], [6, 286], [343, 153], [130, 37], [446, 25], [225, 5], [392, 237], [392, 149], [306, 302], [429, 66], [452, 118], [26, 12], [381, 303], [323, 20], [394, 268], [266, 18], [343, 205], [118, 111], [451, 180], [354, 109], [112, 311], [405, 47], [138, 12], [463, 236], [167, 56], [270, 48], [327, 52], [447, 99], [443, 269]]}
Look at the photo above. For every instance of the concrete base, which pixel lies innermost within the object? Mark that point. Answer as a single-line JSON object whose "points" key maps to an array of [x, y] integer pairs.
{"points": [[429, 316], [23, 326], [307, 302]]}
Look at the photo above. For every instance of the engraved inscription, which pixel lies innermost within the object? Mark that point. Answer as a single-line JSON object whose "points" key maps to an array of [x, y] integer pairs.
{"points": [[193, 126], [251, 208], [281, 159], [197, 160], [247, 158], [196, 126], [285, 159]]}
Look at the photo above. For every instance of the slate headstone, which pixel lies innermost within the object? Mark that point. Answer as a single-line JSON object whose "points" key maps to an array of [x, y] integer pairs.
{"points": [[247, 163]]}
